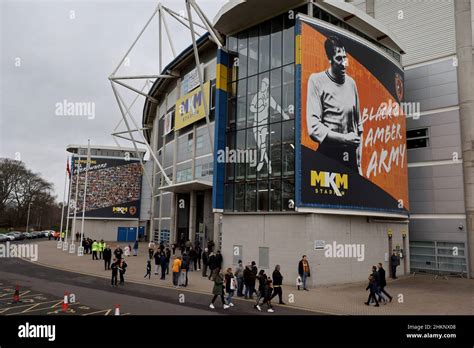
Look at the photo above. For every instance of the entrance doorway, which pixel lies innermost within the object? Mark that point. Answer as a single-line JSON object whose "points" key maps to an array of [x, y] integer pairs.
{"points": [[183, 203]]}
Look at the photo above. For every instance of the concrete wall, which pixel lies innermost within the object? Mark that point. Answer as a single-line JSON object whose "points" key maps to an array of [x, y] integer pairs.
{"points": [[289, 236], [105, 229]]}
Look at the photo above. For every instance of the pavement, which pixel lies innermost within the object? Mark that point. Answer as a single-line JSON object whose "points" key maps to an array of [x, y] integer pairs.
{"points": [[412, 295]]}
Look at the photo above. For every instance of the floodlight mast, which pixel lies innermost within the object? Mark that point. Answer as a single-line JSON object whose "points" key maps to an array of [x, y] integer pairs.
{"points": [[119, 80]]}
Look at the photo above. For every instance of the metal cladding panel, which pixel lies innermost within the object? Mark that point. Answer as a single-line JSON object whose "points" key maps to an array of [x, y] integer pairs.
{"points": [[416, 23]]}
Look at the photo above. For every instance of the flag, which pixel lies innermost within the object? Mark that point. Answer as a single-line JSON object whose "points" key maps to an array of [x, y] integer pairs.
{"points": [[68, 169]]}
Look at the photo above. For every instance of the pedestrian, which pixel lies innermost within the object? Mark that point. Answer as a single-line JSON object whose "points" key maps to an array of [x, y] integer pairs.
{"points": [[122, 269], [187, 246], [395, 261], [253, 279], [193, 259], [95, 248], [184, 269], [210, 246], [205, 260], [372, 287], [304, 271], [107, 257], [299, 282], [173, 247], [118, 252], [114, 272], [376, 277], [168, 257], [148, 269], [219, 259], [247, 275], [277, 283], [135, 248], [176, 270], [268, 295], [163, 264], [230, 286], [262, 288], [157, 258], [218, 288], [101, 248], [199, 256], [77, 236], [382, 281], [212, 263], [239, 275], [151, 249]]}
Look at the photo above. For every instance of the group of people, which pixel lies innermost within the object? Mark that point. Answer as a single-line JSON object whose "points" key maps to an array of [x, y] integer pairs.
{"points": [[243, 281], [161, 256], [376, 287]]}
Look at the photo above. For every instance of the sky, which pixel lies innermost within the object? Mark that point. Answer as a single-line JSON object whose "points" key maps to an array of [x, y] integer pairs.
{"points": [[58, 52]]}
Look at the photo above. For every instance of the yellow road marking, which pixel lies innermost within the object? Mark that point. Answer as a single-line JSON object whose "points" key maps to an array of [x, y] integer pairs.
{"points": [[2, 299], [16, 307]]}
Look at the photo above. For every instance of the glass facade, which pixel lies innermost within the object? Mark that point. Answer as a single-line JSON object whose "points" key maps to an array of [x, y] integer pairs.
{"points": [[260, 124]]}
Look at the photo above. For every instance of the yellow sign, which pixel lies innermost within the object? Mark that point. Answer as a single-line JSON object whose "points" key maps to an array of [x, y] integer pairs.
{"points": [[190, 107]]}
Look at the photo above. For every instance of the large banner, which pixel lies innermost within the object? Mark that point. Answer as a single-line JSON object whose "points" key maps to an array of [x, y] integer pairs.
{"points": [[190, 107], [113, 188], [351, 133]]}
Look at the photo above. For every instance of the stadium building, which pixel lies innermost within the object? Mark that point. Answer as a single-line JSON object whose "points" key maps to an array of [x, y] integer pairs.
{"points": [[114, 208], [309, 140]]}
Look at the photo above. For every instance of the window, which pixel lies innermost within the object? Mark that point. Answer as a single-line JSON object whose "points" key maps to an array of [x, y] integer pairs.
{"points": [[263, 257], [417, 138], [199, 142]]}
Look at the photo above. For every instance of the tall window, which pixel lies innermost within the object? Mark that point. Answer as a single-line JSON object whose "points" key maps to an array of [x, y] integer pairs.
{"points": [[261, 118]]}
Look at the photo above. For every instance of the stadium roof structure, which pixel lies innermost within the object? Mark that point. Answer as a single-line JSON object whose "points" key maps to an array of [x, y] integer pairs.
{"points": [[72, 148]]}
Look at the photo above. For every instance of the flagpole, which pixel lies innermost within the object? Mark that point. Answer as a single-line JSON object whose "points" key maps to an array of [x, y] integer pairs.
{"points": [[69, 193], [62, 209], [73, 228], [88, 161]]}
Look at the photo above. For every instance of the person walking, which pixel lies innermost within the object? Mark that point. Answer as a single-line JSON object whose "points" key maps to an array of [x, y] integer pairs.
{"points": [[77, 236], [277, 283], [198, 256], [230, 286], [212, 264], [376, 277], [205, 261], [262, 288], [239, 275], [253, 279], [395, 261], [304, 271], [127, 250], [218, 288], [163, 265], [122, 269], [176, 270], [219, 259], [114, 272], [268, 295], [186, 260], [373, 288], [383, 281], [193, 259], [148, 269], [135, 248], [118, 252], [107, 257], [151, 249], [101, 249], [157, 258]]}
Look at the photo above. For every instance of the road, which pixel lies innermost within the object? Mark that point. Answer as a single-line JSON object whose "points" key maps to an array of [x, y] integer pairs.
{"points": [[41, 288]]}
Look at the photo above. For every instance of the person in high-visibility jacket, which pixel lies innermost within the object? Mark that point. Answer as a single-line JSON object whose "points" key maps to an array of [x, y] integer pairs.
{"points": [[62, 235], [95, 248], [101, 248]]}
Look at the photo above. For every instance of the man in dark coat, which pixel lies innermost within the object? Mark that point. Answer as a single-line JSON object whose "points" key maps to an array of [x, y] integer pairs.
{"points": [[277, 283], [219, 259], [114, 272], [107, 257], [212, 263], [382, 281], [163, 264], [395, 261], [304, 271], [205, 262], [118, 252]]}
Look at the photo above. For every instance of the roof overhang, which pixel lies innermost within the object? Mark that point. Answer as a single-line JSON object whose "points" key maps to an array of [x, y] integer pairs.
{"points": [[184, 187], [72, 148], [360, 20]]}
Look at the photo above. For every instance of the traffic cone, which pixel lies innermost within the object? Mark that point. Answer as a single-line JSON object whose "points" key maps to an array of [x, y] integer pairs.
{"points": [[117, 309], [16, 295], [65, 305]]}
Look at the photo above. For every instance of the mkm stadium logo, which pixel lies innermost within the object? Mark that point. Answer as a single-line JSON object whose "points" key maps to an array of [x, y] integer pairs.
{"points": [[329, 183]]}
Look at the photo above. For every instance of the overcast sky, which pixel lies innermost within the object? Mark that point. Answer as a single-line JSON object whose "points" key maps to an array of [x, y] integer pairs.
{"points": [[56, 51]]}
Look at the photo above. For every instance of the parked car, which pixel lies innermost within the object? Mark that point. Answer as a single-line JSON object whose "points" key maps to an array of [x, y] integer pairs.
{"points": [[3, 238], [18, 235], [10, 236]]}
